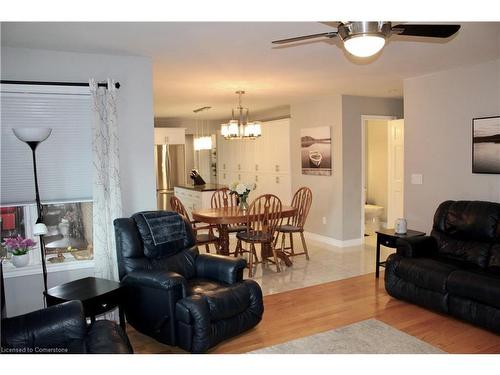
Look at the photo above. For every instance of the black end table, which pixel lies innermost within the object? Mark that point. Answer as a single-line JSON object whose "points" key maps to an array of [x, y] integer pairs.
{"points": [[97, 295], [388, 238]]}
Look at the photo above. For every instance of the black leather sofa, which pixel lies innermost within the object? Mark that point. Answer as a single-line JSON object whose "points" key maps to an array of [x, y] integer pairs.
{"points": [[62, 329], [455, 270], [178, 296]]}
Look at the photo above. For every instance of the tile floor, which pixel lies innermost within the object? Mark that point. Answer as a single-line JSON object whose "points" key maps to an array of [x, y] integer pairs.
{"points": [[327, 263]]}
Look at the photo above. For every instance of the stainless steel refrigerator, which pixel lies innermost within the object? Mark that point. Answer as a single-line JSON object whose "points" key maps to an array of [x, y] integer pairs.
{"points": [[170, 165]]}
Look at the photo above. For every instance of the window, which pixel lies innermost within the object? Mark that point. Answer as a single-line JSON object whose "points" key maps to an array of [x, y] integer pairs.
{"points": [[64, 166]]}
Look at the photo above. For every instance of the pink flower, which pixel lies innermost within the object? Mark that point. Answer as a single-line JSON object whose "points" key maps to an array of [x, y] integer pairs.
{"points": [[18, 245]]}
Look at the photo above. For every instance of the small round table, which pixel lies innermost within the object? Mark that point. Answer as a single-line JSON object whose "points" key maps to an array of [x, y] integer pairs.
{"points": [[224, 216]]}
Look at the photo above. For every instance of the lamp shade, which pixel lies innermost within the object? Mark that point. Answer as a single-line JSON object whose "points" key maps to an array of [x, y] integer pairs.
{"points": [[364, 45], [32, 134], [40, 229]]}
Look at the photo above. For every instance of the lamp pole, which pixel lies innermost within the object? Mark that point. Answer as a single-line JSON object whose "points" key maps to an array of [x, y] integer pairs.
{"points": [[33, 137], [33, 145]]}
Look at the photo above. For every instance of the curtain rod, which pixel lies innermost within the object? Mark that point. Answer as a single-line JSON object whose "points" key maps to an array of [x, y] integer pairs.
{"points": [[100, 84]]}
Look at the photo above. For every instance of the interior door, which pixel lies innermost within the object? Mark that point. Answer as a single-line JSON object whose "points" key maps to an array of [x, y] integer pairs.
{"points": [[395, 199]]}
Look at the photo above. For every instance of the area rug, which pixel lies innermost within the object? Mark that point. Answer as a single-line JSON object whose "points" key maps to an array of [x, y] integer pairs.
{"points": [[366, 337]]}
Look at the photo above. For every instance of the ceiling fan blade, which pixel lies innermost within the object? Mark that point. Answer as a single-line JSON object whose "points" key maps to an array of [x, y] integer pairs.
{"points": [[430, 31], [330, 34]]}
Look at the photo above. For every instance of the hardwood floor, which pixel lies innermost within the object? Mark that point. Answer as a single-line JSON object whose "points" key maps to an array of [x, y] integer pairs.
{"points": [[306, 311]]}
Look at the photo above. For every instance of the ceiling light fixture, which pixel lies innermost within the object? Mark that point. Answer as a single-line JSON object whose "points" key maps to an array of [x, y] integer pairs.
{"points": [[202, 142], [241, 128], [364, 39]]}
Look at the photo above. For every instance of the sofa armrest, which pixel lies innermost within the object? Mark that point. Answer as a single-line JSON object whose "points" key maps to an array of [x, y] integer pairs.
{"points": [[156, 279], [414, 247], [56, 329], [221, 268]]}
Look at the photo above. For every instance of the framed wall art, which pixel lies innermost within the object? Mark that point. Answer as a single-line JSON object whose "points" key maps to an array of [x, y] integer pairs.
{"points": [[486, 145], [316, 151]]}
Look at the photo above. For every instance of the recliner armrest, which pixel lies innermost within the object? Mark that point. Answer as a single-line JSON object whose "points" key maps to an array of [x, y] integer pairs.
{"points": [[414, 247], [221, 268], [56, 329], [157, 279]]}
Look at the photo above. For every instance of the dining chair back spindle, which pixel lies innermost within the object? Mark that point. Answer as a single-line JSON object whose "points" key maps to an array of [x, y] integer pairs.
{"points": [[302, 200], [263, 218], [201, 238], [223, 198]]}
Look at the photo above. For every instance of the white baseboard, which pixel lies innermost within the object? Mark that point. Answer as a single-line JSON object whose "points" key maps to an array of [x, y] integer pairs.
{"points": [[333, 241]]}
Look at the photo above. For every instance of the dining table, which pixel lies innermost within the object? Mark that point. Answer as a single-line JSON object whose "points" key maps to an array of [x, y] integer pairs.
{"points": [[222, 217]]}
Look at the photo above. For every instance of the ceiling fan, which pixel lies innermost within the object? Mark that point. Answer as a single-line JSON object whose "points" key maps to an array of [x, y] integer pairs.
{"points": [[366, 38]]}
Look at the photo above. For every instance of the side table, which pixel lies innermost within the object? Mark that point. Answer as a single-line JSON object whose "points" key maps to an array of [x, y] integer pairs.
{"points": [[97, 295], [388, 238]]}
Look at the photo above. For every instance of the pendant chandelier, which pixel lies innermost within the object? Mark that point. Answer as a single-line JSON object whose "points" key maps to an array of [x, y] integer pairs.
{"points": [[242, 127], [202, 142]]}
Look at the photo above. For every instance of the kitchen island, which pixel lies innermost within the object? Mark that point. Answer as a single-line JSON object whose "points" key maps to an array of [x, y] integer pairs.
{"points": [[195, 197]]}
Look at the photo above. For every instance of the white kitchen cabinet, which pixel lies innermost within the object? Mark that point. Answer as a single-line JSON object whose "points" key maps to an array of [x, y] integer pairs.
{"points": [[193, 199], [264, 161], [170, 136]]}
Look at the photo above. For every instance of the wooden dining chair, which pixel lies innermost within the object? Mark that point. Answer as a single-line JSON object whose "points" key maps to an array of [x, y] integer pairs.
{"points": [[301, 201], [223, 198], [201, 238], [263, 217]]}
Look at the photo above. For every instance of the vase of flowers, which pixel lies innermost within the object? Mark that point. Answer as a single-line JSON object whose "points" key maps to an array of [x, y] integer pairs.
{"points": [[19, 247], [242, 191]]}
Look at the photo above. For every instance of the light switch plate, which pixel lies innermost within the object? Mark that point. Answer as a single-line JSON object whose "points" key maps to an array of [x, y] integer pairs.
{"points": [[417, 179]]}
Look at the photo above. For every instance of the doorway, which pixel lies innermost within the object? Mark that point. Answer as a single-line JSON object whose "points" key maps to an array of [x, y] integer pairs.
{"points": [[382, 193]]}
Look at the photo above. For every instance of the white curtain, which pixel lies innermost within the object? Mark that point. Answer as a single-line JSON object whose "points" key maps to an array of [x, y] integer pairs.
{"points": [[106, 178]]}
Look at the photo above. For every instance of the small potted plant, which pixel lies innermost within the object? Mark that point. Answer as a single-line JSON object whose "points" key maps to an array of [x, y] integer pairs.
{"points": [[19, 247], [242, 191]]}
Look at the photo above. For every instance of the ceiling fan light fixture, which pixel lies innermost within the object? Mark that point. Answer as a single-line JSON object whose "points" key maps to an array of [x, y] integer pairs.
{"points": [[364, 45]]}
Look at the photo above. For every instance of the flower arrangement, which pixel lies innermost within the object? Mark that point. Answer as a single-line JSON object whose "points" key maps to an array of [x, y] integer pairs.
{"points": [[18, 245], [242, 190]]}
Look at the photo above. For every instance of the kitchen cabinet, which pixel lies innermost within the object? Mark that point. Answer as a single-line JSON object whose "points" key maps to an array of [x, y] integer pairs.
{"points": [[264, 161], [170, 136]]}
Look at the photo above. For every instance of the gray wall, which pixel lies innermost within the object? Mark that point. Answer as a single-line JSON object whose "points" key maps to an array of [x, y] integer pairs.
{"points": [[135, 117], [353, 107], [438, 112], [327, 190]]}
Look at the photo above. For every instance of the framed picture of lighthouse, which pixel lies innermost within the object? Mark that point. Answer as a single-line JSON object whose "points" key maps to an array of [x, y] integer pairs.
{"points": [[316, 151]]}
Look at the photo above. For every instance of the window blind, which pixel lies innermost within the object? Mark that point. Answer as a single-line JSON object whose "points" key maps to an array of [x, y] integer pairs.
{"points": [[64, 160]]}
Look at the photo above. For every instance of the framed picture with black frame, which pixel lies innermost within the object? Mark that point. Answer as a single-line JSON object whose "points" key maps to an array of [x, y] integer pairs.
{"points": [[486, 145]]}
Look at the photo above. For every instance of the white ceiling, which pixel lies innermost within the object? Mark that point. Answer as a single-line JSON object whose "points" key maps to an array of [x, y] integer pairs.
{"points": [[203, 63]]}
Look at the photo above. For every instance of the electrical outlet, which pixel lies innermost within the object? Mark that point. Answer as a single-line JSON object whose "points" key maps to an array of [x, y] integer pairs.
{"points": [[417, 179], [324, 220]]}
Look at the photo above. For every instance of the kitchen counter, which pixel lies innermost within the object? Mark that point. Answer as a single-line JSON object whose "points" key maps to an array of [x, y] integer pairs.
{"points": [[206, 187]]}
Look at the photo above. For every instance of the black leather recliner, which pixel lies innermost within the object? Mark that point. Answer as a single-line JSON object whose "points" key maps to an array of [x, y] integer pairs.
{"points": [[455, 270], [181, 297], [62, 329]]}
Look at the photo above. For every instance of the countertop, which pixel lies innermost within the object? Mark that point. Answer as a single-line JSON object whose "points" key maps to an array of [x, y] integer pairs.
{"points": [[206, 187]]}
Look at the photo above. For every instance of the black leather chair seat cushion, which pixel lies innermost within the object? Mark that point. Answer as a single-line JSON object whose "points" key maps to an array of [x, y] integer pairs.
{"points": [[106, 337], [218, 301], [236, 228], [205, 238], [481, 287], [426, 273], [254, 236], [201, 286], [288, 228]]}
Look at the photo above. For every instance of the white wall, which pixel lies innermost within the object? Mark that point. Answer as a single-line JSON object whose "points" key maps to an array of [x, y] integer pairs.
{"points": [[438, 125], [376, 162], [135, 116]]}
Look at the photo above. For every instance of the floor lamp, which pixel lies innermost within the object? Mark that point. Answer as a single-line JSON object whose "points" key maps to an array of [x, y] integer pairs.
{"points": [[33, 137]]}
